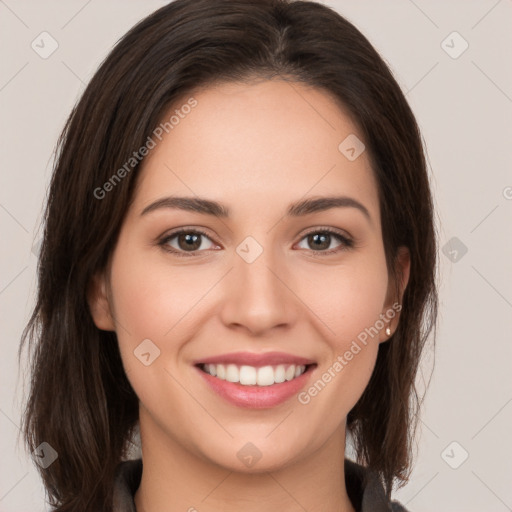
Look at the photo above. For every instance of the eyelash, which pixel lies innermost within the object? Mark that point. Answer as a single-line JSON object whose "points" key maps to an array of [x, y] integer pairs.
{"points": [[346, 243]]}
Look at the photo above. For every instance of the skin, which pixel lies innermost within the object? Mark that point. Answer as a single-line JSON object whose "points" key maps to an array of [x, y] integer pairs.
{"points": [[256, 148]]}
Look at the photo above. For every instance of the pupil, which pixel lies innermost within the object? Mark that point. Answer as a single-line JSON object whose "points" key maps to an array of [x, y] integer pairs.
{"points": [[191, 241], [322, 238]]}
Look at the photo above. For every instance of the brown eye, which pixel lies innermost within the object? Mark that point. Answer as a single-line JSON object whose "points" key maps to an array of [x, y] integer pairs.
{"points": [[186, 241], [321, 240], [189, 241]]}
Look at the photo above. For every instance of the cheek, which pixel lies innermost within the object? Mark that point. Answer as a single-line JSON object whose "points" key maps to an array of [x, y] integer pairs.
{"points": [[349, 301], [148, 302], [154, 302], [151, 297], [347, 298]]}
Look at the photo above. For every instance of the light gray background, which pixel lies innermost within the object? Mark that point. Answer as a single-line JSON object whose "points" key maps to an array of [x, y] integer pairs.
{"points": [[463, 106]]}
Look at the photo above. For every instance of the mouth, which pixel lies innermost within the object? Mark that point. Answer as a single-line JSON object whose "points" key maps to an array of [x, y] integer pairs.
{"points": [[256, 381], [255, 376]]}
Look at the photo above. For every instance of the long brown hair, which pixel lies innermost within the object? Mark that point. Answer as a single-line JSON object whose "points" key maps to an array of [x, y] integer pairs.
{"points": [[81, 402]]}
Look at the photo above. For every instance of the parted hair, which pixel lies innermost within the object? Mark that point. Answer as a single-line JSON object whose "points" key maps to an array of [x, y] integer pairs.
{"points": [[80, 401]]}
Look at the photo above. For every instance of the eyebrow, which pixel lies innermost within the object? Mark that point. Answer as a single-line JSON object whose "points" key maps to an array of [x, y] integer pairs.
{"points": [[298, 209]]}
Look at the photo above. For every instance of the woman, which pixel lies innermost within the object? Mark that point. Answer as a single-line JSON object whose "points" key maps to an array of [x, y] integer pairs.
{"points": [[239, 261]]}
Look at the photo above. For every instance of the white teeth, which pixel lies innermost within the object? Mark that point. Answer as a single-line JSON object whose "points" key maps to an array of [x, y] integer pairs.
{"points": [[221, 371], [265, 376], [232, 373], [211, 369], [250, 375], [290, 373], [279, 374]]}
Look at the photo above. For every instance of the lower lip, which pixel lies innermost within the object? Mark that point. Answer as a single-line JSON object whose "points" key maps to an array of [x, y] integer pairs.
{"points": [[256, 397]]}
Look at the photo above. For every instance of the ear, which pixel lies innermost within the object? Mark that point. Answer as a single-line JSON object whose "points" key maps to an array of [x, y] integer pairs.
{"points": [[396, 290], [99, 303]]}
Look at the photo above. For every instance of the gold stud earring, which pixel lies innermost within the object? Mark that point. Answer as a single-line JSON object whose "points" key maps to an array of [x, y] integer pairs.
{"points": [[388, 331]]}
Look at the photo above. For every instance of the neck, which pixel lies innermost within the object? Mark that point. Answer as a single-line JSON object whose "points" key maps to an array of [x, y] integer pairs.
{"points": [[176, 479]]}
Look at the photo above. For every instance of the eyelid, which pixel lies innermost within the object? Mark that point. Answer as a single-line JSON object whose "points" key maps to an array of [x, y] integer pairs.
{"points": [[327, 229]]}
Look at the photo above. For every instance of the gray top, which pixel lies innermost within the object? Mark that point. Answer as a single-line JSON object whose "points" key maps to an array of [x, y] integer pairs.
{"points": [[364, 488]]}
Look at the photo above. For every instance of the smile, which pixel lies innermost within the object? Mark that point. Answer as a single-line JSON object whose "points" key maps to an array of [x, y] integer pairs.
{"points": [[253, 376], [255, 380]]}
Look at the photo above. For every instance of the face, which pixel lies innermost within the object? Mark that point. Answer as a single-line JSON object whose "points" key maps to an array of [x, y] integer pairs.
{"points": [[251, 310]]}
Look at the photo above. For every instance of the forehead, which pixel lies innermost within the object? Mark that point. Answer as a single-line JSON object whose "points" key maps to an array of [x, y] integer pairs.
{"points": [[261, 143]]}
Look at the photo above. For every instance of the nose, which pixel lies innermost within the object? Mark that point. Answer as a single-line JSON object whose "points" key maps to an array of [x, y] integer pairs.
{"points": [[257, 296]]}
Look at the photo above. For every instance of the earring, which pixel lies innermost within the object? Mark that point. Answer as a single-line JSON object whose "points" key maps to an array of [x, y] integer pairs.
{"points": [[388, 331]]}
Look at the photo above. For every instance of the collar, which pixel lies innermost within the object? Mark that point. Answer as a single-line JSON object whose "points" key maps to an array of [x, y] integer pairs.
{"points": [[363, 487]]}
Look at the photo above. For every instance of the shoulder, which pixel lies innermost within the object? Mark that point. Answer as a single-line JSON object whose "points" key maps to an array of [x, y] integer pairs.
{"points": [[366, 491]]}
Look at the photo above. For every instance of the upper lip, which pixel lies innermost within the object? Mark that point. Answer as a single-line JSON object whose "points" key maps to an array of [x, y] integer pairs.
{"points": [[256, 359]]}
